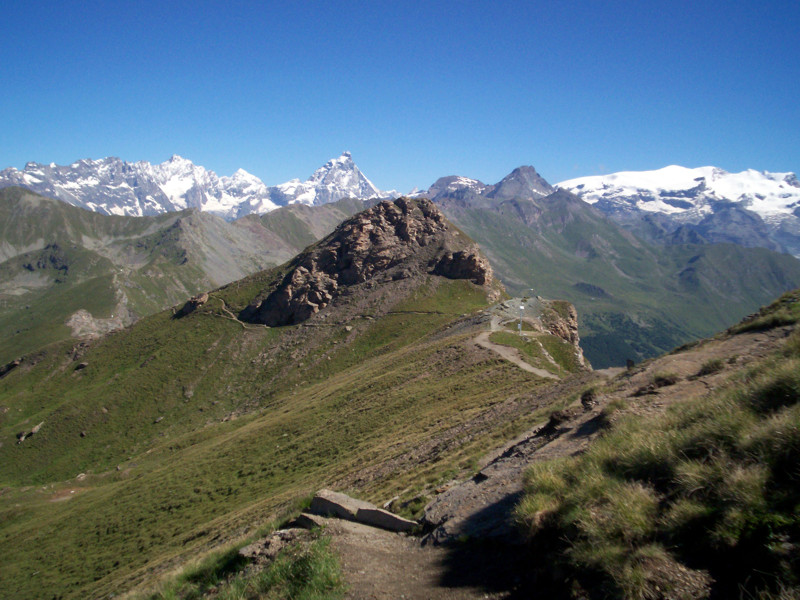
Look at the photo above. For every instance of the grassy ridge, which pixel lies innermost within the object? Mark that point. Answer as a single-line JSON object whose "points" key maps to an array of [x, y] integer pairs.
{"points": [[703, 499], [56, 259], [633, 300], [246, 429]]}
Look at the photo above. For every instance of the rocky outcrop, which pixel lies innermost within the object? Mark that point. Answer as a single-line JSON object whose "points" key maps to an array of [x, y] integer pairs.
{"points": [[391, 241], [565, 325], [464, 265], [266, 549], [24, 435], [7, 368], [192, 304]]}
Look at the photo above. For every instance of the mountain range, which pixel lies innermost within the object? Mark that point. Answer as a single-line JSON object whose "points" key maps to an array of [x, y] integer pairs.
{"points": [[638, 288], [673, 205], [112, 186], [707, 204], [635, 299]]}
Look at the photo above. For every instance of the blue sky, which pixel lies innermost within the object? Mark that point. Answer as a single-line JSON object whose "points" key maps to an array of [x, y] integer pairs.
{"points": [[416, 90]]}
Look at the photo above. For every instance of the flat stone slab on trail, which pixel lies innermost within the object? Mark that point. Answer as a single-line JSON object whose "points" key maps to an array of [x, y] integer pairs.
{"points": [[329, 503], [377, 517]]}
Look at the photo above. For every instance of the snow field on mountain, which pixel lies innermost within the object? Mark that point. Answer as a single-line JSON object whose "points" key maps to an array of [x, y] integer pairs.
{"points": [[768, 194]]}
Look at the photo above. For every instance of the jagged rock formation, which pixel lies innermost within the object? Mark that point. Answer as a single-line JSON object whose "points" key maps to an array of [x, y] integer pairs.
{"points": [[565, 327], [192, 304], [392, 241]]}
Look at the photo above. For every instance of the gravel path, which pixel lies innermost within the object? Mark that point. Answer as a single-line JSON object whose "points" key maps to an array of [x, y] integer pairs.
{"points": [[507, 352]]}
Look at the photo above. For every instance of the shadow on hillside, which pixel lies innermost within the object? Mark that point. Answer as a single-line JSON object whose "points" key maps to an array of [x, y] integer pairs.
{"points": [[499, 565]]}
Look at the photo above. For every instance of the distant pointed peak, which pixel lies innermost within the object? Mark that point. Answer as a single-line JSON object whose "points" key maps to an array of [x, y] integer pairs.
{"points": [[522, 182], [242, 175], [345, 159]]}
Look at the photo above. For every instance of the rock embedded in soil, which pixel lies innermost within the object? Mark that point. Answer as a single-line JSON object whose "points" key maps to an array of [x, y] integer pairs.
{"points": [[266, 549], [329, 503]]}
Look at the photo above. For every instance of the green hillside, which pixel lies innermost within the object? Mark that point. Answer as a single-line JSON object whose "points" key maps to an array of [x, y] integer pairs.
{"points": [[182, 431], [125, 457], [56, 260], [193, 430], [687, 494], [634, 300]]}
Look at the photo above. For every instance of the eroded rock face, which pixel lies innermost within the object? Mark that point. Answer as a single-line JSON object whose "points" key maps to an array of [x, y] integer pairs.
{"points": [[395, 240], [567, 326], [465, 265]]}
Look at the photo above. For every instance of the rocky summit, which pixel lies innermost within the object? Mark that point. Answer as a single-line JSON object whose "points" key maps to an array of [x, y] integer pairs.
{"points": [[389, 242]]}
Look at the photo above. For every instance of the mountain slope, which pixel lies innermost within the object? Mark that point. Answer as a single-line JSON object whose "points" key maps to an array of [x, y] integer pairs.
{"points": [[634, 300], [217, 425], [689, 489], [64, 270]]}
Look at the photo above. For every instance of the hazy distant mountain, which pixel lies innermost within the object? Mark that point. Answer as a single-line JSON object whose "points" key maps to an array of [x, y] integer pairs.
{"points": [[634, 299], [522, 182], [706, 204], [111, 186], [67, 271]]}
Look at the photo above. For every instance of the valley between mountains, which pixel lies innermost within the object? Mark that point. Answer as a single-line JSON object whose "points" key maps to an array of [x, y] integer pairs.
{"points": [[410, 354], [643, 277]]}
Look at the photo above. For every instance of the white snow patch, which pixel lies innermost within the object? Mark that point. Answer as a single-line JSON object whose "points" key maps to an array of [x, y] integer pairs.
{"points": [[668, 190]]}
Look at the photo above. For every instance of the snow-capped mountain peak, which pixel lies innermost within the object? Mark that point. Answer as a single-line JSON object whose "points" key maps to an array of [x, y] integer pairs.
{"points": [[112, 186], [454, 184], [675, 190], [336, 179]]}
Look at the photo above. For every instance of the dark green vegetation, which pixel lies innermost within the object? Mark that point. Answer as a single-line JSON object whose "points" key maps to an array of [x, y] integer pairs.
{"points": [[196, 430], [634, 300], [704, 498], [302, 572], [784, 311], [56, 260]]}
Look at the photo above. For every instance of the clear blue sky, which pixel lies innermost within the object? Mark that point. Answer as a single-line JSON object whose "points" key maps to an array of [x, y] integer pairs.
{"points": [[415, 90]]}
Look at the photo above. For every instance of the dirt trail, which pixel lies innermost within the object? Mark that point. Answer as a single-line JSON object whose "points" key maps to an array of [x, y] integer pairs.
{"points": [[232, 317], [508, 353], [382, 565]]}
